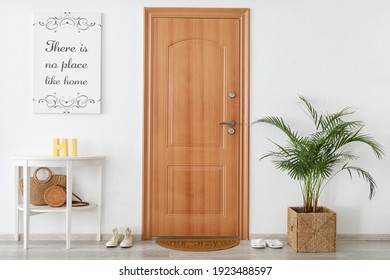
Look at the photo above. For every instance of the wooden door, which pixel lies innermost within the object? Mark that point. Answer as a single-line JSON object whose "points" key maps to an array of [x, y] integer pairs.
{"points": [[194, 164]]}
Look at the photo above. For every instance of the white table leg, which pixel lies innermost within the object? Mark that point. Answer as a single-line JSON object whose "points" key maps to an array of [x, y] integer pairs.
{"points": [[69, 190], [16, 185], [26, 203], [99, 201]]}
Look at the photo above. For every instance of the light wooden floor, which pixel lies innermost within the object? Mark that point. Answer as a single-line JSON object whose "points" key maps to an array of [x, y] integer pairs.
{"points": [[148, 250]]}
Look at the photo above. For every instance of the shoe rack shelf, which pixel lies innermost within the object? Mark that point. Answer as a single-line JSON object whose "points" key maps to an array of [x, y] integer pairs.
{"points": [[22, 169]]}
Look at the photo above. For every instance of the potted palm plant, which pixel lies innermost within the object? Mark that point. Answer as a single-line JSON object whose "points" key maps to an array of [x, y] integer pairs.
{"points": [[314, 160]]}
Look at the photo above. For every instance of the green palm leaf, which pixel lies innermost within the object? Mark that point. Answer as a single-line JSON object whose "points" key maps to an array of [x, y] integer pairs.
{"points": [[316, 158], [364, 175]]}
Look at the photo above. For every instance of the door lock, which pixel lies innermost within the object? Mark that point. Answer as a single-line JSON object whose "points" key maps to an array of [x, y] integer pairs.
{"points": [[232, 94]]}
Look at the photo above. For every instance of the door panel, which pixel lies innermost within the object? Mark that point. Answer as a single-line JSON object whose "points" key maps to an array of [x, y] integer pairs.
{"points": [[194, 163], [203, 184], [196, 71]]}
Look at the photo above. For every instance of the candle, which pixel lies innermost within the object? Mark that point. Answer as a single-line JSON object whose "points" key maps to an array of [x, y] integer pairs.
{"points": [[56, 143], [74, 147], [57, 147], [64, 145]]}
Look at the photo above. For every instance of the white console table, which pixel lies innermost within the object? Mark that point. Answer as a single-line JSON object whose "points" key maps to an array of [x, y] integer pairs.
{"points": [[22, 167]]}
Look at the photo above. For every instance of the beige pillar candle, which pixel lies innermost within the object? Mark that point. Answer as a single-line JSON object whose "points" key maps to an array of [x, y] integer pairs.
{"points": [[64, 147], [56, 144], [57, 147], [74, 147]]}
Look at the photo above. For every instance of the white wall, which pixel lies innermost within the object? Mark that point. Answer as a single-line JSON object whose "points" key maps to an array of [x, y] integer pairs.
{"points": [[335, 52]]}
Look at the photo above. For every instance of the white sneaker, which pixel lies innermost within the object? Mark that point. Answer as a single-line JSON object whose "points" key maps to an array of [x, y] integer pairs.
{"points": [[113, 242], [127, 242]]}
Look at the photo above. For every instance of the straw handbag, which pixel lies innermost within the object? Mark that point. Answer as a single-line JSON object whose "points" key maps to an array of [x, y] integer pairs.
{"points": [[55, 196], [39, 187]]}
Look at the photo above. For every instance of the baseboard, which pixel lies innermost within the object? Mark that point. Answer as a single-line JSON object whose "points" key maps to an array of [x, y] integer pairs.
{"points": [[106, 236], [54, 237], [6, 237], [363, 236], [279, 236], [340, 236]]}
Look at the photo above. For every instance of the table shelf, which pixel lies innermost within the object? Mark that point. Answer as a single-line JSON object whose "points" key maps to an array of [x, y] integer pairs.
{"points": [[49, 209], [22, 169]]}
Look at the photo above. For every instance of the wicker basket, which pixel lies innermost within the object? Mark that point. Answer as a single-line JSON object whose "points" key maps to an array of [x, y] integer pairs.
{"points": [[55, 196], [39, 187], [312, 232]]}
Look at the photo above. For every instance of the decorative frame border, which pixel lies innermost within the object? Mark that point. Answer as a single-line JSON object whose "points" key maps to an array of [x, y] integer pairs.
{"points": [[67, 104], [67, 20]]}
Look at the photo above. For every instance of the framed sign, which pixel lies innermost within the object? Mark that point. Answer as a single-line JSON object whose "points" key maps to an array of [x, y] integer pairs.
{"points": [[67, 63]]}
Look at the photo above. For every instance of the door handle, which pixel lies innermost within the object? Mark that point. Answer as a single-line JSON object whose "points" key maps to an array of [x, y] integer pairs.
{"points": [[230, 123]]}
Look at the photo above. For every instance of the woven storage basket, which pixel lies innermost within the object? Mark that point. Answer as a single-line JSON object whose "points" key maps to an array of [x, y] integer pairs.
{"points": [[39, 187], [55, 196], [312, 232]]}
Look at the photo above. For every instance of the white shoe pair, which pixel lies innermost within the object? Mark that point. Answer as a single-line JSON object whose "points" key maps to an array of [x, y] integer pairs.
{"points": [[126, 242], [260, 243]]}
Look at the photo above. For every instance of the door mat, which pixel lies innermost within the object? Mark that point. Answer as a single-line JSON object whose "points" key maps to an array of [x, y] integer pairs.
{"points": [[198, 245]]}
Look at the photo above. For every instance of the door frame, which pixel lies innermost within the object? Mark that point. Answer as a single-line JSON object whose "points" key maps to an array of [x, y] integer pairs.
{"points": [[232, 13]]}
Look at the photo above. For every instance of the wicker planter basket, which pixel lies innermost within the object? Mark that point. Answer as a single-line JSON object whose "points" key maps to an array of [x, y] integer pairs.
{"points": [[311, 232]]}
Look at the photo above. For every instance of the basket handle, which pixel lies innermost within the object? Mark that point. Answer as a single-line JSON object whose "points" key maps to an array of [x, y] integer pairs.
{"points": [[76, 203], [79, 202], [43, 168]]}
